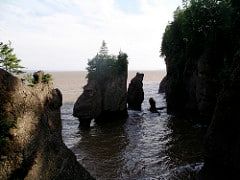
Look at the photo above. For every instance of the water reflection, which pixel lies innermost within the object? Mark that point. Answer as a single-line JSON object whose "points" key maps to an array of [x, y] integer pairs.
{"points": [[100, 149], [185, 149]]}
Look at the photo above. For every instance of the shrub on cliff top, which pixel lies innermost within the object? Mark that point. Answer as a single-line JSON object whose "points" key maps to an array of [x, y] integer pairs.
{"points": [[30, 81], [9, 60], [104, 66]]}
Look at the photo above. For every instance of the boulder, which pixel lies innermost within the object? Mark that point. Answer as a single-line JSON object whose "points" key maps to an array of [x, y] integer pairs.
{"points": [[135, 94], [31, 145], [38, 76]]}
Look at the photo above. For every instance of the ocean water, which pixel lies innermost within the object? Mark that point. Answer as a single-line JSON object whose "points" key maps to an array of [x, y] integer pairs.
{"points": [[144, 146]]}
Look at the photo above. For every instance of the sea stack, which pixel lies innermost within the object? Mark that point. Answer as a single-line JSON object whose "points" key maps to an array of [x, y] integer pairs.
{"points": [[31, 145], [135, 95], [105, 95]]}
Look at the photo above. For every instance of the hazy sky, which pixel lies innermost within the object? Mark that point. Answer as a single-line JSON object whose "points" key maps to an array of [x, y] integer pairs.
{"points": [[64, 34]]}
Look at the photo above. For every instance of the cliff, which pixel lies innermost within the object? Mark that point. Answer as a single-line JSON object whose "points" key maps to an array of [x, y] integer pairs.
{"points": [[31, 140], [105, 95], [203, 68], [197, 56]]}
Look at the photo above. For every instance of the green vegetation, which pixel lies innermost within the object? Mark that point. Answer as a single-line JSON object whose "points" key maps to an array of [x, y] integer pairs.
{"points": [[197, 26], [9, 60], [201, 47], [104, 66], [203, 29], [29, 80], [46, 79]]}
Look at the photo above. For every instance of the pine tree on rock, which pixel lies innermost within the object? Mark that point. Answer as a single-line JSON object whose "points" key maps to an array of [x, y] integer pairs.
{"points": [[9, 60], [103, 49]]}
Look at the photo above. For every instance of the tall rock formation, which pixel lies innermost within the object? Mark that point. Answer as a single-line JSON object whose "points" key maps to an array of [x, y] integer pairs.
{"points": [[135, 95], [202, 56], [197, 58], [105, 95], [31, 141]]}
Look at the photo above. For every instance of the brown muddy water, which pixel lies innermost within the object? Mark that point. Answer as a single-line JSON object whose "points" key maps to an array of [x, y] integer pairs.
{"points": [[144, 146]]}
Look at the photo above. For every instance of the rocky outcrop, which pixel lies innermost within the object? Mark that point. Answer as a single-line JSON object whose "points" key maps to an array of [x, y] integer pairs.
{"points": [[135, 95], [31, 142], [102, 101], [163, 85], [153, 108], [105, 95]]}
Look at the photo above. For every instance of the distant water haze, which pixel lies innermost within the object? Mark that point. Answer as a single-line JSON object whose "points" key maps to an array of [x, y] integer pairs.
{"points": [[71, 83]]}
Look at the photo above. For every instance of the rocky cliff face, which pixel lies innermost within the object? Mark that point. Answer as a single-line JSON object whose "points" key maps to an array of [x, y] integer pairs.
{"points": [[32, 147], [192, 89], [203, 82]]}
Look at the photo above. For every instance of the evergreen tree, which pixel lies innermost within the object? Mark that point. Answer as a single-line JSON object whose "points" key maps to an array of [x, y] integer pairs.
{"points": [[104, 66], [103, 49], [9, 60]]}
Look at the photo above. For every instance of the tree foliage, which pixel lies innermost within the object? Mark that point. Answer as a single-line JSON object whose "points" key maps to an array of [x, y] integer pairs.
{"points": [[103, 49], [9, 60], [200, 24], [202, 27], [104, 66]]}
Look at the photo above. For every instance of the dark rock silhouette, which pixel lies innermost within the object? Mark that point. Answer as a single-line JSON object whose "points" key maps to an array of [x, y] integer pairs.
{"points": [[192, 86], [33, 146], [135, 95], [163, 85], [153, 108]]}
